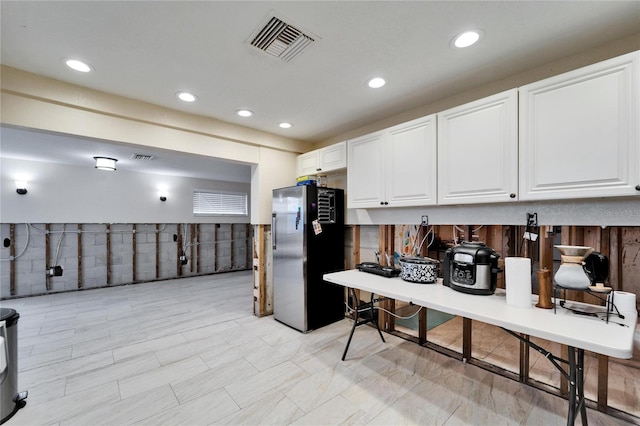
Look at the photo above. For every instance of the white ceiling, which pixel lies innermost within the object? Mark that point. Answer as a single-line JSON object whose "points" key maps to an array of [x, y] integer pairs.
{"points": [[149, 50]]}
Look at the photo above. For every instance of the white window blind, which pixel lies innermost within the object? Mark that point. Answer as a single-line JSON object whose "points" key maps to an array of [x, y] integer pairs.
{"points": [[215, 203]]}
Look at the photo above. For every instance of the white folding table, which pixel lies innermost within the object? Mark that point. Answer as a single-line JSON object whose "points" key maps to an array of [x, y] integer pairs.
{"points": [[579, 333]]}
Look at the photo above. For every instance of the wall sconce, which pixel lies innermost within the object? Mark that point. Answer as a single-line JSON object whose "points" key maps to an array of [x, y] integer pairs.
{"points": [[162, 192], [105, 163], [21, 187]]}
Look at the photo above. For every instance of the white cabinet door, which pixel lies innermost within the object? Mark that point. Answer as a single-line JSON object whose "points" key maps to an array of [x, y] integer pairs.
{"points": [[308, 163], [579, 132], [478, 151], [333, 157], [365, 174], [411, 163], [323, 160]]}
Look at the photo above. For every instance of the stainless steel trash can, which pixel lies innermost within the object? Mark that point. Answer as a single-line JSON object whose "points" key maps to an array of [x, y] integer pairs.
{"points": [[10, 400]]}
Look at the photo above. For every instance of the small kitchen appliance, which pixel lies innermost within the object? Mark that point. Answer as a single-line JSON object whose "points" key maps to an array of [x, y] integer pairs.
{"points": [[571, 273], [471, 268], [421, 270]]}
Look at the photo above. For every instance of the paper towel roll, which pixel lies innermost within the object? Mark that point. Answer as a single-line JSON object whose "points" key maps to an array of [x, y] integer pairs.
{"points": [[625, 302], [517, 275]]}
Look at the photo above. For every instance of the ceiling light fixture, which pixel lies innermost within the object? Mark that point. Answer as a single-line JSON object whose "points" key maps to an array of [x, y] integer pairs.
{"points": [[77, 65], [467, 38], [105, 163], [285, 125], [186, 96], [376, 82], [21, 187], [244, 113], [162, 192]]}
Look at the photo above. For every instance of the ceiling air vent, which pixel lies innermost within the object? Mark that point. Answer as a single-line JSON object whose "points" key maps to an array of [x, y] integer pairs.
{"points": [[279, 39], [142, 157]]}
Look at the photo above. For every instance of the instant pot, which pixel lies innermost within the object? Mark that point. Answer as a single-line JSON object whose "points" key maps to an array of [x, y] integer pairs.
{"points": [[471, 268]]}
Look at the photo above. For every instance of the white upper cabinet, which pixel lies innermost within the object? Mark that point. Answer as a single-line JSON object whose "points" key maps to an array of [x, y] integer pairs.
{"points": [[395, 167], [411, 163], [323, 160], [579, 132], [478, 151], [365, 168], [333, 157]]}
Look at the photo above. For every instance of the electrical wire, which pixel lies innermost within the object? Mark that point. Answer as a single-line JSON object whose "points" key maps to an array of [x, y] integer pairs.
{"points": [[433, 237], [56, 257], [470, 238], [350, 309], [24, 249]]}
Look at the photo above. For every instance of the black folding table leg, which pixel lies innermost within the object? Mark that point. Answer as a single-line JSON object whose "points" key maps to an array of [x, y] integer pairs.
{"points": [[571, 416], [580, 386], [576, 387], [353, 328], [368, 315]]}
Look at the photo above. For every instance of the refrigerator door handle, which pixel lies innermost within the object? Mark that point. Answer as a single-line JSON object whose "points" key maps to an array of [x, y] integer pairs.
{"points": [[273, 229]]}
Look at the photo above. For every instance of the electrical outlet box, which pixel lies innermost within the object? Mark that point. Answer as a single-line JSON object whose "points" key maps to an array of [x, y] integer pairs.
{"points": [[55, 271]]}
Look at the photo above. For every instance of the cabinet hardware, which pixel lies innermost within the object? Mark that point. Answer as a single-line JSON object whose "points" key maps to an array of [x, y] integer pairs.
{"points": [[512, 195], [637, 187]]}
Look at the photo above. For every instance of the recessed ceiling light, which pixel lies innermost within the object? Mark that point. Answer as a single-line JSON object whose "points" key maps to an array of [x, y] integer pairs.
{"points": [[77, 65], [376, 82], [285, 125], [244, 113], [467, 38], [186, 96]]}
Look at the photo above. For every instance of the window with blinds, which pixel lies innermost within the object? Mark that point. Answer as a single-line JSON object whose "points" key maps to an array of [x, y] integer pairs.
{"points": [[219, 203]]}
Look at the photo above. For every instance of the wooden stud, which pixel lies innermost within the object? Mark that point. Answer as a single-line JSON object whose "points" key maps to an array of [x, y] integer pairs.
{"points": [[12, 262], [468, 233], [382, 238], [262, 278], [233, 248], [356, 245], [47, 254], [79, 255], [134, 268], [618, 263], [422, 326], [179, 246], [466, 338], [546, 247], [108, 260], [603, 382], [248, 246], [217, 246], [390, 249], [524, 360], [157, 251], [197, 249], [192, 240]]}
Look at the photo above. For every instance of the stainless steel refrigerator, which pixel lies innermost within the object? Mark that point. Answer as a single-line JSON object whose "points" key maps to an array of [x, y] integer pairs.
{"points": [[308, 241]]}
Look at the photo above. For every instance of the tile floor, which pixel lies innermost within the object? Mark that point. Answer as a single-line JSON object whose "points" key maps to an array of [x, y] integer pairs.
{"points": [[190, 352]]}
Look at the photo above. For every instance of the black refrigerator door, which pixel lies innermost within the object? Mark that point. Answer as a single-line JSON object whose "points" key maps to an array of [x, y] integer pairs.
{"points": [[325, 253]]}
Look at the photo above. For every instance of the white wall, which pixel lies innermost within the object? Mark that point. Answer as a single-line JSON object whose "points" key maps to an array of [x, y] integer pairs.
{"points": [[71, 194], [277, 169]]}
